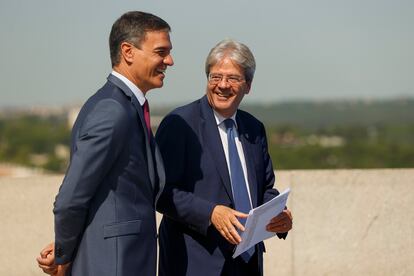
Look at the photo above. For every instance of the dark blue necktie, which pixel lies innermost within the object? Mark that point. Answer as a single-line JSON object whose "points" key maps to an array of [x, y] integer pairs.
{"points": [[238, 183]]}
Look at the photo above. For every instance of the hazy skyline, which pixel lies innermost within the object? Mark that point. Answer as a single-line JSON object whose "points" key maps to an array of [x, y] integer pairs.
{"points": [[56, 52]]}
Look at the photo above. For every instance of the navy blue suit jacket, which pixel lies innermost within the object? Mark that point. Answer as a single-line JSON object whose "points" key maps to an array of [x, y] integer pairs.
{"points": [[197, 179], [105, 209]]}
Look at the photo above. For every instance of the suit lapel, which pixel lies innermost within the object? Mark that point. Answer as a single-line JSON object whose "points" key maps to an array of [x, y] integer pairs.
{"points": [[159, 164], [249, 155], [211, 137], [150, 162]]}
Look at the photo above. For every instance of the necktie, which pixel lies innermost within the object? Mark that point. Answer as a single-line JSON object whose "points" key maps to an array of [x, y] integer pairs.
{"points": [[147, 117], [238, 183]]}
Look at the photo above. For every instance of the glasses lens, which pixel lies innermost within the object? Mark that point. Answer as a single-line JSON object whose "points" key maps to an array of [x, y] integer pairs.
{"points": [[232, 79]]}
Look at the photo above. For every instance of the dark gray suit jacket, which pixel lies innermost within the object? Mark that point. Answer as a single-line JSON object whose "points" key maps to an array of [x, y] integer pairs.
{"points": [[104, 211], [197, 179]]}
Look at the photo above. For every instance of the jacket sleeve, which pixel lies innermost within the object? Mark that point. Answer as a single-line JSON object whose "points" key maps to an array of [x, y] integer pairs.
{"points": [[269, 177], [97, 145], [177, 201]]}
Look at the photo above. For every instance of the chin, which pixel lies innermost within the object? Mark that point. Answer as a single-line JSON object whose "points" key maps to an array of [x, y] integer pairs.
{"points": [[224, 109], [158, 84]]}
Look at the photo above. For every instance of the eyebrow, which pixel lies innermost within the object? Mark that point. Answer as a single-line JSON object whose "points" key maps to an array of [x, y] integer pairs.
{"points": [[163, 48]]}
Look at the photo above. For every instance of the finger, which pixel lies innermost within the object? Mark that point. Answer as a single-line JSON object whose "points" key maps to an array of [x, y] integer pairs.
{"points": [[50, 272], [45, 253], [230, 223], [284, 222], [47, 250], [227, 236], [279, 218], [276, 228], [49, 269], [240, 214], [229, 231], [238, 225], [235, 236], [279, 227], [288, 213], [285, 226], [45, 261]]}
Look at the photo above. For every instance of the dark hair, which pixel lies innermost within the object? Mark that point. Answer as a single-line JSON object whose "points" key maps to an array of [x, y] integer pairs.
{"points": [[131, 27]]}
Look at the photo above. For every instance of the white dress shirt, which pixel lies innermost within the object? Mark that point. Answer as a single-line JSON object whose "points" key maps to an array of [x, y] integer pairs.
{"points": [[135, 90]]}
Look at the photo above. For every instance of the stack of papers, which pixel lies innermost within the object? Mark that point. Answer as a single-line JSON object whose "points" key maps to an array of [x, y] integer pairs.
{"points": [[255, 227]]}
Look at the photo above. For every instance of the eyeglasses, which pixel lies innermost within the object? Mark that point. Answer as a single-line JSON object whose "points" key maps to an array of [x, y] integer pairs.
{"points": [[231, 79]]}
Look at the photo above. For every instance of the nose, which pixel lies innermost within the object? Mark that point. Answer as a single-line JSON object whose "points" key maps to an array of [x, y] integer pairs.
{"points": [[168, 60], [223, 83]]}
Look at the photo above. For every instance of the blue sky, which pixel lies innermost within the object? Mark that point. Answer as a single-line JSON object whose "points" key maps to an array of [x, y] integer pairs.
{"points": [[55, 52]]}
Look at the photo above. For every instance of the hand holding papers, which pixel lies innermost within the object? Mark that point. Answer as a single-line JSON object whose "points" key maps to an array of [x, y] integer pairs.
{"points": [[255, 227]]}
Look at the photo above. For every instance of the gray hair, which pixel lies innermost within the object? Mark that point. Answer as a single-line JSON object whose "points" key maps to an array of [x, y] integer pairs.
{"points": [[237, 52]]}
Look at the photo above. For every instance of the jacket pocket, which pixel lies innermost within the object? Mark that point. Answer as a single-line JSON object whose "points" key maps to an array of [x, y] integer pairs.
{"points": [[132, 227]]}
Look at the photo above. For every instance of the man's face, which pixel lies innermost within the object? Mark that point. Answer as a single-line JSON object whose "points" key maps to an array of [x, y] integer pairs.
{"points": [[151, 60], [226, 95]]}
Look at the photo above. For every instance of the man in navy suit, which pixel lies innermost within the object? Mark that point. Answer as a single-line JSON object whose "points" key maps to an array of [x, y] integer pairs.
{"points": [[216, 161], [105, 209]]}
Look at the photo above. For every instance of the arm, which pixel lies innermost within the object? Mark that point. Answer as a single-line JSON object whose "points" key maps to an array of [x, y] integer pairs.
{"points": [[46, 261], [269, 175], [98, 143], [282, 223], [179, 148]]}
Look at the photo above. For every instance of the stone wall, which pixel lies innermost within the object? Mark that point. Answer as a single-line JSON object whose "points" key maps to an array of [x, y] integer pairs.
{"points": [[346, 222]]}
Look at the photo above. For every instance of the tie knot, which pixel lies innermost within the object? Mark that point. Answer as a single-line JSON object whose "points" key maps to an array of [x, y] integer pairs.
{"points": [[145, 106], [229, 123]]}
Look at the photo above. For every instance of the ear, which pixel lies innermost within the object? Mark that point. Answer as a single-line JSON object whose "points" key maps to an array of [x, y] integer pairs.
{"points": [[248, 86], [127, 52]]}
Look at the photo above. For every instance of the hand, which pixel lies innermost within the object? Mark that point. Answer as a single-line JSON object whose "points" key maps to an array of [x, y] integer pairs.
{"points": [[46, 262], [225, 220], [282, 223]]}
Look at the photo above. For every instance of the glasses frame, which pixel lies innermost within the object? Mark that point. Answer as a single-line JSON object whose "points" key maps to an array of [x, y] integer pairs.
{"points": [[215, 78]]}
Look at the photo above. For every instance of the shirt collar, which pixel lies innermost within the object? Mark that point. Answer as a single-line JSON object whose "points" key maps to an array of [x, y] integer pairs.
{"points": [[220, 119], [135, 90]]}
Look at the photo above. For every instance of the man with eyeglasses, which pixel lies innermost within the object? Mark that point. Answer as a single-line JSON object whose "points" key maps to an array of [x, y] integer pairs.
{"points": [[105, 209], [217, 168]]}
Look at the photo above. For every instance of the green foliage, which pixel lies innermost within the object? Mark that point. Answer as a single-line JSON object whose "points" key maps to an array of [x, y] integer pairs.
{"points": [[384, 146], [301, 135], [23, 137]]}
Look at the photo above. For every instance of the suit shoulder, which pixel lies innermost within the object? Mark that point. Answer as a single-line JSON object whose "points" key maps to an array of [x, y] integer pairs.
{"points": [[187, 111], [103, 111], [110, 111], [249, 118], [181, 119], [108, 96]]}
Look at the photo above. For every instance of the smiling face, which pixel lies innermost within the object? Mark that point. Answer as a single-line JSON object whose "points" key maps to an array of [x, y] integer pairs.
{"points": [[150, 60], [224, 96]]}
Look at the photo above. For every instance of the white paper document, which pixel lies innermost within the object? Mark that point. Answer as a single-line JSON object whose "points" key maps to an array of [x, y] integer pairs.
{"points": [[255, 227]]}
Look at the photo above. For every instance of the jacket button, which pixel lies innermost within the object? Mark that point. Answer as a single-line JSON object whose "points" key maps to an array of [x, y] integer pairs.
{"points": [[58, 252]]}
